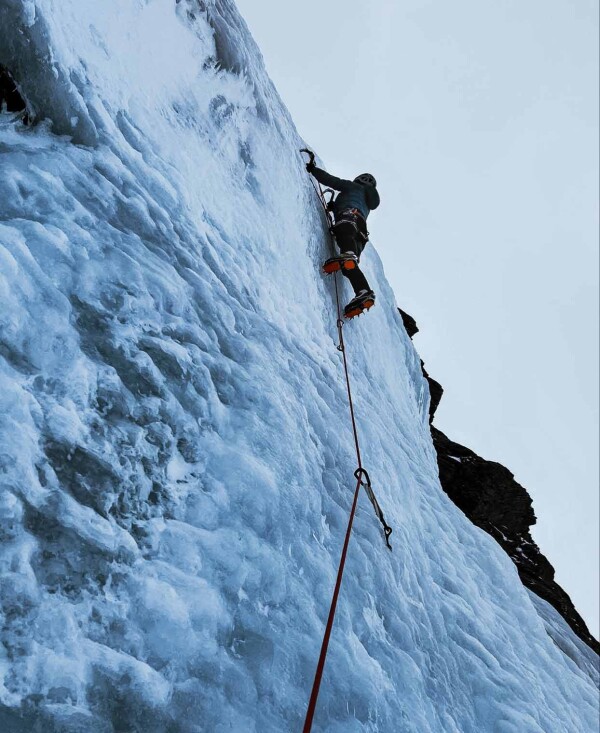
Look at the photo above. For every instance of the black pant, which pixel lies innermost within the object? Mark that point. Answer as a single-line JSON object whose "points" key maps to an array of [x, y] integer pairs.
{"points": [[350, 232]]}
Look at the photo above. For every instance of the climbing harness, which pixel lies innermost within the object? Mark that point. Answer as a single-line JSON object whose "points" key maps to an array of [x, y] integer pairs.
{"points": [[351, 222], [362, 479]]}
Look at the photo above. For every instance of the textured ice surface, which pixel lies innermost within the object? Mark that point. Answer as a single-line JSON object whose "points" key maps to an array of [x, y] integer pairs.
{"points": [[175, 453]]}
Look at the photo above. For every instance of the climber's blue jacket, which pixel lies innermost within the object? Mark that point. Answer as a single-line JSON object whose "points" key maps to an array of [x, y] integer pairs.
{"points": [[352, 195]]}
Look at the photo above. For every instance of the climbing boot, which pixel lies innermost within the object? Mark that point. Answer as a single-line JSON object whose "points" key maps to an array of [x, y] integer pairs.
{"points": [[361, 303], [345, 261]]}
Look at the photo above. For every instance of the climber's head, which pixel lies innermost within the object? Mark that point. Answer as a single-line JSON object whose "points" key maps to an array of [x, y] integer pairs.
{"points": [[366, 179]]}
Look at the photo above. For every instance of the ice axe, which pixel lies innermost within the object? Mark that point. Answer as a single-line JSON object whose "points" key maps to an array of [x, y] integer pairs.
{"points": [[328, 203]]}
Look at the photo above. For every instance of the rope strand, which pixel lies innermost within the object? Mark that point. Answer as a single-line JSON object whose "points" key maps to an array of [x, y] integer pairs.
{"points": [[312, 703]]}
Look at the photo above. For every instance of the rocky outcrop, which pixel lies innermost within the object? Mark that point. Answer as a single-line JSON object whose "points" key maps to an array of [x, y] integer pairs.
{"points": [[491, 498], [435, 388], [10, 98]]}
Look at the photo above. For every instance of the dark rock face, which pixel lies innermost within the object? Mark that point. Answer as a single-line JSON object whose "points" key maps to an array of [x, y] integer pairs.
{"points": [[409, 323], [435, 388], [489, 495], [491, 498], [9, 94]]}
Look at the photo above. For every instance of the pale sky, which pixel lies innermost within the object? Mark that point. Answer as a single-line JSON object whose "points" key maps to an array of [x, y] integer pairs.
{"points": [[479, 119]]}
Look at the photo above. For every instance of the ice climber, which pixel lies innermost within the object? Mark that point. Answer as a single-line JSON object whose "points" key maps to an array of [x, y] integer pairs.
{"points": [[351, 207]]}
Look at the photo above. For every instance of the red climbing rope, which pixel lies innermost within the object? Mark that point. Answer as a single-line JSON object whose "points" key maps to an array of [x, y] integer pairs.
{"points": [[362, 479], [312, 703]]}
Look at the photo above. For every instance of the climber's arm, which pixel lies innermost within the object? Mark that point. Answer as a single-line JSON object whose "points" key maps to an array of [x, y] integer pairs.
{"points": [[328, 180]]}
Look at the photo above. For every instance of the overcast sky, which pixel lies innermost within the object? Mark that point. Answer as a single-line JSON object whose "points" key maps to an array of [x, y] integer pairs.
{"points": [[479, 119]]}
